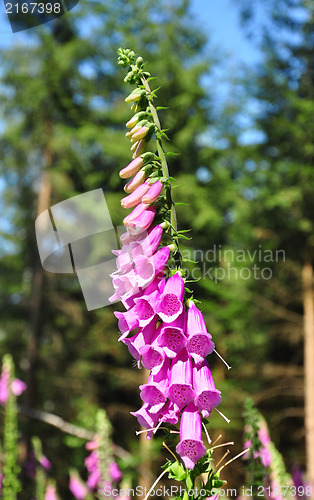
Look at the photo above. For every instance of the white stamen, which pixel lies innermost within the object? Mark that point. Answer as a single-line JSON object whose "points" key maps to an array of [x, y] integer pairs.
{"points": [[221, 445], [223, 416], [157, 427], [154, 429], [206, 432], [144, 430], [234, 458], [222, 359], [156, 482]]}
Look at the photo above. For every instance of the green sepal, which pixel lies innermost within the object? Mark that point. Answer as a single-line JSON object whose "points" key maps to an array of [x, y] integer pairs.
{"points": [[176, 470], [172, 153], [182, 237]]}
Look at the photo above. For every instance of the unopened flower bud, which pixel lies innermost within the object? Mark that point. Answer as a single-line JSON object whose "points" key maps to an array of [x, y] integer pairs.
{"points": [[132, 122], [139, 62], [136, 181], [135, 119], [136, 128], [133, 130], [134, 146], [141, 133], [172, 247], [135, 197], [135, 96], [140, 148], [152, 193], [132, 168]]}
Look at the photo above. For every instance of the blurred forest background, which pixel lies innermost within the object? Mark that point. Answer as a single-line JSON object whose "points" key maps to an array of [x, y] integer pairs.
{"points": [[62, 133]]}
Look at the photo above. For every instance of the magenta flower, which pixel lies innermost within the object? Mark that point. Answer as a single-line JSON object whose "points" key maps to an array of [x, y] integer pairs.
{"points": [[127, 321], [154, 392], [153, 356], [77, 487], [115, 473], [4, 386], [44, 462], [145, 244], [145, 308], [146, 418], [170, 413], [51, 493], [149, 244], [172, 337], [207, 396], [143, 221], [180, 389], [141, 339], [265, 456], [199, 341], [171, 301], [17, 386], [92, 465], [136, 212], [191, 447]]}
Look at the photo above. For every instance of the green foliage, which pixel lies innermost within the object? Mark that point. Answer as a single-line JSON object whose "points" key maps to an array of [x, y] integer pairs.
{"points": [[204, 469], [255, 470], [10, 483]]}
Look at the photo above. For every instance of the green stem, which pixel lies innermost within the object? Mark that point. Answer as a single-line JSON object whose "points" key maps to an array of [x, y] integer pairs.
{"points": [[161, 154]]}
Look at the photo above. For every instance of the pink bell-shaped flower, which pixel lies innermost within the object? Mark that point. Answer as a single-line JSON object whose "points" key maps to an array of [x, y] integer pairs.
{"points": [[199, 342], [170, 305], [146, 419], [207, 396], [77, 487], [172, 337], [154, 392], [191, 447], [180, 389]]}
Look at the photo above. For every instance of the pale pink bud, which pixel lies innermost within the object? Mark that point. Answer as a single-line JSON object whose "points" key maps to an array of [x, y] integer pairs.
{"points": [[136, 181], [139, 149], [133, 130], [135, 198], [131, 123], [152, 193], [132, 168], [140, 133], [136, 212]]}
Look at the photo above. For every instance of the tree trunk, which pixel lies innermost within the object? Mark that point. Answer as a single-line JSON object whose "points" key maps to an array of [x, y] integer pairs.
{"points": [[308, 311], [43, 204]]}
